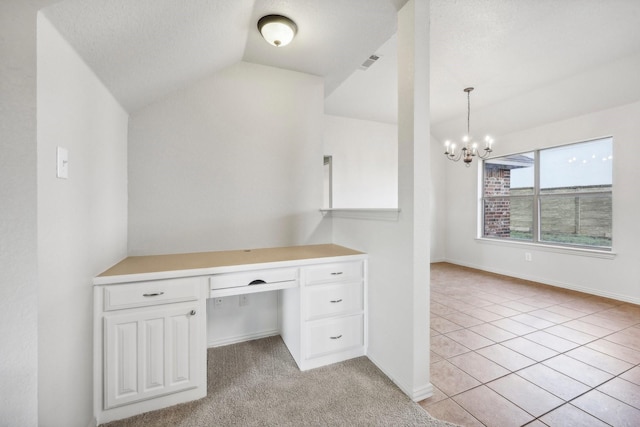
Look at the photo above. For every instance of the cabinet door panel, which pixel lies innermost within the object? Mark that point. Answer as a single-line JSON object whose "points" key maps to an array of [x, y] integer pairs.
{"points": [[153, 348], [149, 353], [181, 364], [125, 362]]}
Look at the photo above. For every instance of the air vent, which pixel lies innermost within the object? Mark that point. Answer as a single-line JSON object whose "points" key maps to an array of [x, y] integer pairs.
{"points": [[369, 62]]}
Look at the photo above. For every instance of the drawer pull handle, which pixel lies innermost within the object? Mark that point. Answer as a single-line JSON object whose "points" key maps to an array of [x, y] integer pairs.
{"points": [[336, 301], [155, 294], [337, 273], [192, 312], [257, 282], [336, 338]]}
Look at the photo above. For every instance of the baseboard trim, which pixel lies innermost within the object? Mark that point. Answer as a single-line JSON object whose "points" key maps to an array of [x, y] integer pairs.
{"points": [[557, 284], [416, 394], [422, 392], [242, 338]]}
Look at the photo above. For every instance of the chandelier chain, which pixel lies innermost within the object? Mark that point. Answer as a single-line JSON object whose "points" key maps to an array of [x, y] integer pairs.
{"points": [[468, 112]]}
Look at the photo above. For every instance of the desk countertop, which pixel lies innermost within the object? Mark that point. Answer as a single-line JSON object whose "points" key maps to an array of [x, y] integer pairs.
{"points": [[136, 268]]}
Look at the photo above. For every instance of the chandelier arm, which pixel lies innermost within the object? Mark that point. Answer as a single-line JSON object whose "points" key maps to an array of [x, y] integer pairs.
{"points": [[456, 157], [486, 154]]}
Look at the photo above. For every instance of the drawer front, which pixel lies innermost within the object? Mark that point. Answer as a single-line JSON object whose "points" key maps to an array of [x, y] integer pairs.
{"points": [[338, 271], [334, 335], [118, 297], [232, 280], [333, 299]]}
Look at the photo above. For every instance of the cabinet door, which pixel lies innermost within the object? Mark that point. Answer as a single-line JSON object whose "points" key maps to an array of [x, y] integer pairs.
{"points": [[150, 352]]}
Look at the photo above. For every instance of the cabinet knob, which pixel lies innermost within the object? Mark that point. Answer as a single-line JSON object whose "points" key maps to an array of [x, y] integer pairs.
{"points": [[335, 301], [155, 294], [337, 273], [337, 337], [192, 312]]}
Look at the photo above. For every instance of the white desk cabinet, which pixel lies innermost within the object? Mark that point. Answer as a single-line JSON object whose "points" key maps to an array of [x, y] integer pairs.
{"points": [[150, 346], [150, 318], [149, 353], [323, 321]]}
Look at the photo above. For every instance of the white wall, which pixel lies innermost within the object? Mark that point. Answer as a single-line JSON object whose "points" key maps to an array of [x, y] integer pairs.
{"points": [[437, 201], [232, 162], [18, 201], [365, 162], [365, 171], [618, 277], [81, 221], [399, 250]]}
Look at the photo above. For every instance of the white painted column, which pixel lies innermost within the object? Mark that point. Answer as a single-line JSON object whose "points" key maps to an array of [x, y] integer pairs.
{"points": [[399, 250], [414, 173]]}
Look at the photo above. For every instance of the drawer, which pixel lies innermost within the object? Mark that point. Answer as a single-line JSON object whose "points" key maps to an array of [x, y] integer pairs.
{"points": [[233, 280], [333, 299], [334, 335], [140, 294], [338, 271]]}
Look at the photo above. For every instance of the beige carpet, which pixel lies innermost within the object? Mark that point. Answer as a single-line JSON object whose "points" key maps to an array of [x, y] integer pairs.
{"points": [[257, 383]]}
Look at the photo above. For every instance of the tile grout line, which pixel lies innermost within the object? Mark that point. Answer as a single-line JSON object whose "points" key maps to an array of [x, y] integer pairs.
{"points": [[451, 299]]}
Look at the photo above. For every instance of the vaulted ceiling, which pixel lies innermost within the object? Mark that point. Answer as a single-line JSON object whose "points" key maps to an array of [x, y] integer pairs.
{"points": [[531, 61], [145, 49]]}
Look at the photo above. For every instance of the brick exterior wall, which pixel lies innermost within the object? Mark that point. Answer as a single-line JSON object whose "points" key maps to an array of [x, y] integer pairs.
{"points": [[497, 213]]}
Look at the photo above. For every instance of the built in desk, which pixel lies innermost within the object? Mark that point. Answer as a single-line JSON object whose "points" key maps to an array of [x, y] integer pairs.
{"points": [[150, 317]]}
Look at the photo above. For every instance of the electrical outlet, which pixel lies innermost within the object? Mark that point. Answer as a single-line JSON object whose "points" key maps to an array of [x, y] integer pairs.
{"points": [[244, 300], [527, 256], [217, 302]]}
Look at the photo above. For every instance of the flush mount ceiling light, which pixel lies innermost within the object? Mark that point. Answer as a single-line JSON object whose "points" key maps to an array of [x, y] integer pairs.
{"points": [[278, 30], [470, 147]]}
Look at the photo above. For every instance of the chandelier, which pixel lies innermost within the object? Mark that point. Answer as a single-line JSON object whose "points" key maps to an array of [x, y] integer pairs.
{"points": [[469, 148]]}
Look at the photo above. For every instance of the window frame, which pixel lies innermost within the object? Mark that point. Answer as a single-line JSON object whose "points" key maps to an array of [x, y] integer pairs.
{"points": [[536, 199]]}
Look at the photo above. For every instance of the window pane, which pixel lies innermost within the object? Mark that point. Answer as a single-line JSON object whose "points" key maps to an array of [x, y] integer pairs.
{"points": [[508, 217], [586, 166], [509, 175], [582, 219], [508, 201]]}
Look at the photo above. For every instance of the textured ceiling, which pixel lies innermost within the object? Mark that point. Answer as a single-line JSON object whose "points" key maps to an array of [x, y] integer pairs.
{"points": [[370, 94], [334, 37], [145, 49], [531, 61]]}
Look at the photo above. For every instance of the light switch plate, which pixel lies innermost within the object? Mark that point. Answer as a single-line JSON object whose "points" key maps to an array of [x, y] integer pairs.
{"points": [[63, 163]]}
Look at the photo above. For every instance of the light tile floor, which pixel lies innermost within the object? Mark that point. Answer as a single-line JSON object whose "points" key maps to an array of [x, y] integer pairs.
{"points": [[508, 352]]}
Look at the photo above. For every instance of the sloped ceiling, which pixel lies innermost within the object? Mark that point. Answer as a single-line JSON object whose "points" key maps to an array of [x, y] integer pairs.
{"points": [[145, 49], [531, 61]]}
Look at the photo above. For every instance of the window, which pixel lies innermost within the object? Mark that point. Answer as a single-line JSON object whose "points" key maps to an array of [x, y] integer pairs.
{"points": [[559, 196]]}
